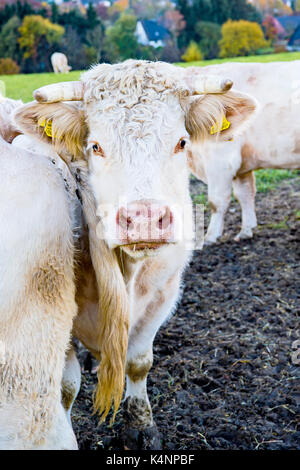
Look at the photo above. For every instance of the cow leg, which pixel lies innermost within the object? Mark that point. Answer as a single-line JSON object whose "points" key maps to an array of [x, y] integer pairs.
{"points": [[244, 190], [219, 193], [140, 429], [70, 382], [216, 165]]}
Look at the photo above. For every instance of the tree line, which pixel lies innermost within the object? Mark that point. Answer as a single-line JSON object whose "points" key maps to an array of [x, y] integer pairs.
{"points": [[30, 31]]}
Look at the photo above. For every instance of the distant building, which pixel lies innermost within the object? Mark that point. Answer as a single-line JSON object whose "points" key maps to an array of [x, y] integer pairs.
{"points": [[290, 23], [150, 33]]}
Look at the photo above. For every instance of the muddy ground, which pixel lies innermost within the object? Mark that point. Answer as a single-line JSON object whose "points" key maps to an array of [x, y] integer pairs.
{"points": [[223, 375]]}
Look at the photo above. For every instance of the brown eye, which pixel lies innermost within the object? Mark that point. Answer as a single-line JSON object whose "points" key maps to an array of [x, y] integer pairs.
{"points": [[97, 149], [180, 146]]}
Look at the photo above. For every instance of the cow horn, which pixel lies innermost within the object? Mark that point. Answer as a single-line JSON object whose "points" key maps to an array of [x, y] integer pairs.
{"points": [[64, 91], [208, 84]]}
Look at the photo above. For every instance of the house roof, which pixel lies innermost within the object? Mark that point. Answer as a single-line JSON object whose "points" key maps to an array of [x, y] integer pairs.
{"points": [[290, 22], [154, 31]]}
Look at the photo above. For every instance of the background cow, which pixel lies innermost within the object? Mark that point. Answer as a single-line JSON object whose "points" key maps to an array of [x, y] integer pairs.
{"points": [[128, 143], [271, 141], [37, 296], [60, 63]]}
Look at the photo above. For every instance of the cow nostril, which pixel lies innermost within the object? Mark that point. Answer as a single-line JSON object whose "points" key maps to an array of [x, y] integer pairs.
{"points": [[165, 219], [128, 222], [123, 220]]}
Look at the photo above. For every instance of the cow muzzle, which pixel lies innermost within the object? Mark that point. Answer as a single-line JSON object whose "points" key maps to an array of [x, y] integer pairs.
{"points": [[145, 225]]}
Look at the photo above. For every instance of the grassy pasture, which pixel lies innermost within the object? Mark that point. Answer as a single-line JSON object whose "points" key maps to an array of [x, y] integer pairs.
{"points": [[21, 87], [282, 57]]}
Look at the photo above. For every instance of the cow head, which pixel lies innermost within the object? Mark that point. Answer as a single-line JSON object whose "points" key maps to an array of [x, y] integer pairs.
{"points": [[133, 127]]}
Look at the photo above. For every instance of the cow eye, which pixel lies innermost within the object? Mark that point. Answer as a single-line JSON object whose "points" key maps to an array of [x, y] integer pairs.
{"points": [[180, 146], [97, 149]]}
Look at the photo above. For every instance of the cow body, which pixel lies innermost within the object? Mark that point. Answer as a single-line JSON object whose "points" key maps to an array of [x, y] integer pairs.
{"points": [[60, 63], [37, 299], [271, 141]]}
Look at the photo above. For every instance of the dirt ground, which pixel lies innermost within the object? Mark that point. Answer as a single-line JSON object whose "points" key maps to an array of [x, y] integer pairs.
{"points": [[223, 375]]}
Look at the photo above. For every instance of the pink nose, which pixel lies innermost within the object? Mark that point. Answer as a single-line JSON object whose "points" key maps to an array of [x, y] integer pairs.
{"points": [[145, 221]]}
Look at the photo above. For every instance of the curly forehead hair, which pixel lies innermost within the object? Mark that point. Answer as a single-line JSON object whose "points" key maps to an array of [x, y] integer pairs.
{"points": [[132, 82], [140, 102]]}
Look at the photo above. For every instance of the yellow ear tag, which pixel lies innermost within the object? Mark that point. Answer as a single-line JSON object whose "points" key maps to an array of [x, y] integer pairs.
{"points": [[219, 128], [47, 126]]}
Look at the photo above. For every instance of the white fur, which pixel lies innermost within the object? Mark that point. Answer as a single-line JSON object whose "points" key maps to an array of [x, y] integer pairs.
{"points": [[35, 235], [274, 135]]}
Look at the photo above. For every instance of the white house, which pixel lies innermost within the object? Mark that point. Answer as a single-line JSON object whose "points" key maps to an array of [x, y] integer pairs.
{"points": [[150, 33]]}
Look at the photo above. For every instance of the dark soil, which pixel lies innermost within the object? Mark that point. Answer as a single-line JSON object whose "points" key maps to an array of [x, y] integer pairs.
{"points": [[223, 375]]}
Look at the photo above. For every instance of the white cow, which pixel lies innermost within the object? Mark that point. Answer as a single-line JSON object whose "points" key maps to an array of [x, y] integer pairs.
{"points": [[37, 296], [271, 141], [126, 145], [60, 63]]}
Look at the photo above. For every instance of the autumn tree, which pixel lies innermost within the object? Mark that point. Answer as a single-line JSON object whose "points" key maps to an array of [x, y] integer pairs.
{"points": [[174, 22], [149, 9], [76, 20], [21, 8], [120, 41], [38, 35], [102, 11], [8, 67], [192, 53], [213, 11], [74, 49], [240, 38], [116, 9], [9, 35], [272, 7], [273, 29], [208, 37]]}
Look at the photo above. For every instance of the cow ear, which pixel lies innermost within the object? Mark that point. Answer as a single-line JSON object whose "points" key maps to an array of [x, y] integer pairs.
{"points": [[219, 117], [61, 125]]}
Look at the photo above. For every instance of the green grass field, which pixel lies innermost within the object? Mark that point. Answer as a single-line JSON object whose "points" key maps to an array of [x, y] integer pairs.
{"points": [[21, 87], [266, 180], [282, 57]]}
